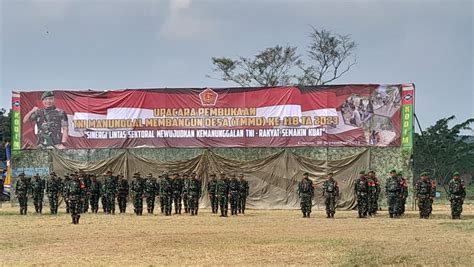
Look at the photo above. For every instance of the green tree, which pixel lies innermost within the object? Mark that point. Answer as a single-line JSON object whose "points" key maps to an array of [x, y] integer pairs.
{"points": [[329, 56], [441, 150]]}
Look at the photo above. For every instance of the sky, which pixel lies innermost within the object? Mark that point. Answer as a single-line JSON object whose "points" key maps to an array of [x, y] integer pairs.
{"points": [[115, 44]]}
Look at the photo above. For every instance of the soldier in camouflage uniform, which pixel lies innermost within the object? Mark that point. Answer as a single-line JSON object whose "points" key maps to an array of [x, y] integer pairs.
{"points": [[162, 201], [374, 192], [136, 190], [94, 193], [86, 179], [457, 193], [362, 189], [393, 190], [22, 189], [110, 183], [222, 193], [306, 194], [37, 188], [54, 188], [122, 193], [211, 190], [74, 193], [234, 194], [166, 193], [185, 192], [331, 193], [193, 189], [103, 197], [423, 194], [433, 194], [64, 185], [243, 193], [51, 122], [178, 187], [403, 194], [150, 190]]}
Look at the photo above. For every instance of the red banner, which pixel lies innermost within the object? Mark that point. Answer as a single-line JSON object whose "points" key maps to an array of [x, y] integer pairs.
{"points": [[345, 115]]}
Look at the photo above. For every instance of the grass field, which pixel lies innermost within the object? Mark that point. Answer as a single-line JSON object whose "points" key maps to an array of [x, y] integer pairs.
{"points": [[258, 238]]}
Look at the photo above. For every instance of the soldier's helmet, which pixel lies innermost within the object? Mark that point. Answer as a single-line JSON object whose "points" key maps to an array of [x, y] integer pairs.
{"points": [[393, 172], [456, 174], [306, 174], [46, 94]]}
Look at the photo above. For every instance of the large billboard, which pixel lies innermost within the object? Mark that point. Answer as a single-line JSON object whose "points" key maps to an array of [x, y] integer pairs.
{"points": [[336, 115]]}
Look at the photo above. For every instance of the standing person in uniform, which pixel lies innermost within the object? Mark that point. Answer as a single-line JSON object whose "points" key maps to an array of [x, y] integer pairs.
{"points": [[86, 179], [306, 194], [64, 185], [194, 193], [94, 193], [74, 193], [211, 190], [103, 197], [403, 194], [373, 193], [55, 187], [243, 193], [166, 193], [137, 189], [234, 194], [423, 195], [331, 193], [110, 191], [185, 192], [178, 186], [457, 193], [222, 193], [433, 193], [37, 187], [150, 191], [51, 122], [22, 188], [361, 189], [393, 191], [122, 193]]}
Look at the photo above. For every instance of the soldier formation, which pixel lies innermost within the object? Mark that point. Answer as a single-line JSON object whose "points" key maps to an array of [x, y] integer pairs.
{"points": [[80, 190]]}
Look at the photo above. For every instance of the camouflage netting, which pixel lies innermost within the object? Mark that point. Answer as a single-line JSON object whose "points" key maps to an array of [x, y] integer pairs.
{"points": [[272, 172]]}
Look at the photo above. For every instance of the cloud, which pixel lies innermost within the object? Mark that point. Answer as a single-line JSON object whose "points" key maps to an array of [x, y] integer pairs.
{"points": [[182, 22]]}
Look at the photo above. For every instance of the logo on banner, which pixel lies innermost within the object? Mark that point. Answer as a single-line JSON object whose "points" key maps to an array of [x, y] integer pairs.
{"points": [[208, 97]]}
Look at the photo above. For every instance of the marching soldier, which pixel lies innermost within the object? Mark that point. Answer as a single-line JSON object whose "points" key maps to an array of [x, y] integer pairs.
{"points": [[331, 193], [457, 193], [361, 189], [94, 193], [211, 190], [423, 194], [150, 191], [403, 194], [122, 193], [243, 193], [166, 193], [86, 179], [178, 186], [373, 193], [306, 193], [234, 194], [74, 193], [55, 187], [393, 191], [194, 193], [64, 185], [22, 189], [137, 189], [103, 197], [37, 187], [110, 191], [185, 192], [222, 193]]}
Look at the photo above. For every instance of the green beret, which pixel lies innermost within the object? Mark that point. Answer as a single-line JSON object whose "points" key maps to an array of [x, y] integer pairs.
{"points": [[456, 174], [424, 174], [46, 94], [400, 173], [393, 171], [372, 171], [305, 174], [362, 172]]}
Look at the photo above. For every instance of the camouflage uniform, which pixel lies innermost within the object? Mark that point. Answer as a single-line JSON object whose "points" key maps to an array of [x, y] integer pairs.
{"points": [[86, 179], [222, 193], [160, 197], [37, 187], [423, 194], [110, 183], [211, 190], [22, 189], [403, 194], [243, 193], [178, 186], [457, 193], [94, 194], [373, 193], [393, 191], [74, 192], [194, 193], [49, 122], [185, 192], [54, 187], [166, 193], [136, 189], [103, 197], [361, 189], [433, 194], [122, 194], [151, 190], [306, 193], [234, 194], [64, 186], [331, 193]]}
